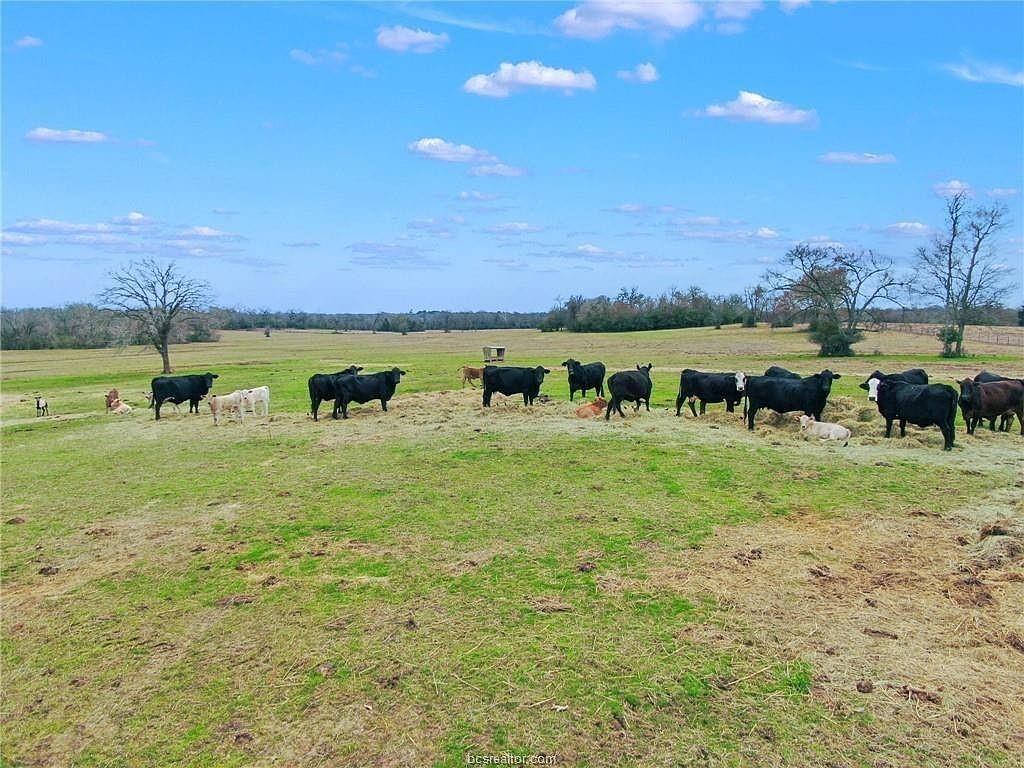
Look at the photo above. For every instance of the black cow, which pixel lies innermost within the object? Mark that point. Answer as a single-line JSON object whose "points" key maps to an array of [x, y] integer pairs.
{"points": [[513, 380], [631, 386], [911, 376], [925, 405], [809, 394], [178, 389], [583, 377], [708, 388], [778, 372], [356, 388], [987, 400], [323, 387]]}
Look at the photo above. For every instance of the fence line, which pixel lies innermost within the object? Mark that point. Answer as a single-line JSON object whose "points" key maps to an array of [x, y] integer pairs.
{"points": [[1001, 337]]}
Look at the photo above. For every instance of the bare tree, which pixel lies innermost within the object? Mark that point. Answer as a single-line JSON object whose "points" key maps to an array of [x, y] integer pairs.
{"points": [[837, 288], [155, 298], [756, 299], [961, 269]]}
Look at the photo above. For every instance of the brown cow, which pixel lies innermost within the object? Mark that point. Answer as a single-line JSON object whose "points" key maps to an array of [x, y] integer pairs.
{"points": [[470, 374], [112, 398], [987, 401], [590, 410]]}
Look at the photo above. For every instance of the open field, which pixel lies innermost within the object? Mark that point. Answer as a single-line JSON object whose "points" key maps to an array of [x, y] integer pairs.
{"points": [[439, 581]]}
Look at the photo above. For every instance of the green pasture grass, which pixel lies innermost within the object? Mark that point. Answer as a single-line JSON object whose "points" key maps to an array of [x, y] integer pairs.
{"points": [[284, 593]]}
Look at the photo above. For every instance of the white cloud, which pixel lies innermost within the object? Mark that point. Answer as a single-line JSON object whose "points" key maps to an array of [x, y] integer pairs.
{"points": [[714, 229], [512, 228], [402, 39], [791, 6], [321, 56], [982, 72], [439, 149], [28, 41], [528, 74], [496, 169], [595, 19], [766, 233], [703, 221], [754, 107], [630, 208], [641, 73], [1002, 192], [951, 187], [479, 197], [856, 158], [907, 229], [67, 136], [202, 231], [589, 249], [301, 244]]}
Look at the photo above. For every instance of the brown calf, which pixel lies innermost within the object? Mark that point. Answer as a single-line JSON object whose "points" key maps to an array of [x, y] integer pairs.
{"points": [[470, 374], [590, 410], [112, 397], [987, 401]]}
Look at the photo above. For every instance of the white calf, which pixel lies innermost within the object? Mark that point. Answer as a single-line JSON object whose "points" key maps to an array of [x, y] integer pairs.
{"points": [[225, 404], [824, 430], [120, 407], [253, 398]]}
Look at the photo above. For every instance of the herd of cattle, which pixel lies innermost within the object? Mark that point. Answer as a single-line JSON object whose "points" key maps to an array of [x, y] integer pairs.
{"points": [[906, 397]]}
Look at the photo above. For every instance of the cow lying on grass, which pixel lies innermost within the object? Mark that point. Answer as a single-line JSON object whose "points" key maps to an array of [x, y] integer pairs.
{"points": [[824, 430], [590, 410]]}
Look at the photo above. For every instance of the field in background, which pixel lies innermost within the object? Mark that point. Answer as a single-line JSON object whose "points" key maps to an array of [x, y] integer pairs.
{"points": [[412, 587]]}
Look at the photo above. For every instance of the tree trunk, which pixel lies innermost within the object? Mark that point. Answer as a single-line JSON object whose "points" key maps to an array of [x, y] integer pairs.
{"points": [[166, 357], [960, 340]]}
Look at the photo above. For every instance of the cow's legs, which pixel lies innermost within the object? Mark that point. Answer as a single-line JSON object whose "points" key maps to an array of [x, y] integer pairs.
{"points": [[888, 427], [903, 427], [647, 403], [315, 406], [679, 403], [618, 407], [156, 407], [947, 436], [750, 413], [703, 407], [608, 410], [384, 404], [487, 397]]}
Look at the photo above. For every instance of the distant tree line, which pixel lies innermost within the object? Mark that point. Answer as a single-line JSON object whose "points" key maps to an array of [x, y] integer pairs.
{"points": [[383, 322]]}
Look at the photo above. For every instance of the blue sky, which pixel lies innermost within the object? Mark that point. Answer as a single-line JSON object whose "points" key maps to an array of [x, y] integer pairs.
{"points": [[365, 157]]}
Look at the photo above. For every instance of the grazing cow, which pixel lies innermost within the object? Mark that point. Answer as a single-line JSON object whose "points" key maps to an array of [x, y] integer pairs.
{"points": [[256, 400], [824, 430], [1006, 420], [925, 405], [708, 388], [323, 387], [113, 396], [178, 389], [778, 372], [512, 380], [470, 374], [809, 394], [590, 410], [354, 388], [631, 386], [42, 407], [987, 400], [583, 377], [232, 403], [911, 376]]}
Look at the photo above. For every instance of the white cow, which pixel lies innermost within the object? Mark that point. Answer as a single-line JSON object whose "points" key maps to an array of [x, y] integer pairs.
{"points": [[824, 430], [226, 404], [253, 398]]}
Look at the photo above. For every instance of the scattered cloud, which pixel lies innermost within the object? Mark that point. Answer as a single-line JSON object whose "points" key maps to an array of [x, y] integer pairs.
{"points": [[641, 73], [856, 158], [639, 209], [375, 255], [596, 19], [715, 229], [479, 197], [730, 15], [496, 169], [861, 65], [510, 78], [1003, 192], [28, 41], [301, 244], [407, 40], [66, 136], [512, 228], [983, 72], [439, 149], [753, 107], [906, 229], [951, 187], [224, 212], [335, 55], [792, 6], [436, 227]]}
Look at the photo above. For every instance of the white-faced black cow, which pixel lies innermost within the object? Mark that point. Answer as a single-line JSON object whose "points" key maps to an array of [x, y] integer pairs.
{"points": [[708, 388], [323, 387], [924, 405], [911, 376], [631, 387], [809, 394], [513, 380], [178, 389], [583, 377], [356, 388]]}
